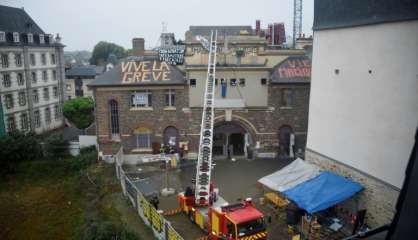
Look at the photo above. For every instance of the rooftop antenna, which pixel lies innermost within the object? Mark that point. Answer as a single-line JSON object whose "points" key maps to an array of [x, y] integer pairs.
{"points": [[297, 19], [164, 25]]}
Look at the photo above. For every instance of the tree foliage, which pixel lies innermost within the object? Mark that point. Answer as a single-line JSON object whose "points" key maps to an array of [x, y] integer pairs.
{"points": [[79, 111], [102, 50], [17, 147]]}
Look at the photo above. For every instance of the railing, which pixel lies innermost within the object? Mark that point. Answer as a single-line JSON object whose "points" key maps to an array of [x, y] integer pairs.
{"points": [[161, 227]]}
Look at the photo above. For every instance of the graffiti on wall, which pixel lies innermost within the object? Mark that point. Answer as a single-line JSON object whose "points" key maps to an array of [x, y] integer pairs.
{"points": [[145, 71], [295, 67], [173, 55], [248, 51]]}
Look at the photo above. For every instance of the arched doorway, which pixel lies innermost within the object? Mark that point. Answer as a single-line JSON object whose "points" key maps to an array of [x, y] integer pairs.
{"points": [[230, 140], [285, 133], [171, 136]]}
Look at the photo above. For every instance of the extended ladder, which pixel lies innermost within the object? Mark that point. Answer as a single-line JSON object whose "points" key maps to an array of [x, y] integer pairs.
{"points": [[204, 161]]}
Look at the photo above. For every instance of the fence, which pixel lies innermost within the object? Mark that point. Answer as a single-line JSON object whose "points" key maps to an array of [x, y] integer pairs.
{"points": [[161, 227]]}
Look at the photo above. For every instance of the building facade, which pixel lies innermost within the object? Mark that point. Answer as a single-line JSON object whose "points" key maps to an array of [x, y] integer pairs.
{"points": [[78, 78], [261, 105], [364, 103], [31, 72]]}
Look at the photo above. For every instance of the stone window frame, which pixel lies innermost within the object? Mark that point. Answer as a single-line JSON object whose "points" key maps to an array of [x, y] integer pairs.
{"points": [[47, 112], [35, 95], [55, 91], [148, 93], [8, 101], [45, 76], [30, 38], [20, 79], [16, 37], [32, 59], [45, 92], [22, 98], [57, 112], [241, 82], [37, 118], [287, 97], [34, 76], [41, 39], [43, 59], [18, 59], [4, 58], [2, 36], [192, 82], [114, 119], [54, 75], [24, 121], [53, 59], [233, 82], [170, 98], [7, 82], [11, 123]]}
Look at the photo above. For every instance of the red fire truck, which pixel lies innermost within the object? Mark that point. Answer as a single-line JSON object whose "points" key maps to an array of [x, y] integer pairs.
{"points": [[225, 221]]}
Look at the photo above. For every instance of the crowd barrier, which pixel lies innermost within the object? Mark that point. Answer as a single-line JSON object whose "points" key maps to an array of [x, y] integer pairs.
{"points": [[161, 227]]}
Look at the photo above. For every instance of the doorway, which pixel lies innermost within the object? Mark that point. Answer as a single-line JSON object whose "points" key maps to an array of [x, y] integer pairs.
{"points": [[284, 140], [171, 137], [230, 139]]}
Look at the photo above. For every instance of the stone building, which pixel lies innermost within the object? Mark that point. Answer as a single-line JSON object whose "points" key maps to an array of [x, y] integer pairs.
{"points": [[261, 104], [364, 103], [31, 71]]}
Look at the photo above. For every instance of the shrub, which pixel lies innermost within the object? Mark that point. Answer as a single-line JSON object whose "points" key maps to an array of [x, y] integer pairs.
{"points": [[55, 146], [107, 230], [17, 147]]}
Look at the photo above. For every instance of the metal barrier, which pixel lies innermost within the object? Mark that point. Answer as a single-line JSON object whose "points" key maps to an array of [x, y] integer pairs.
{"points": [[161, 227]]}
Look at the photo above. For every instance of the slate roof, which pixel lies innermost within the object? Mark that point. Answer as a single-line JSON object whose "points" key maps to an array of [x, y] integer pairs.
{"points": [[222, 30], [82, 71], [331, 14], [114, 76], [292, 70], [17, 20]]}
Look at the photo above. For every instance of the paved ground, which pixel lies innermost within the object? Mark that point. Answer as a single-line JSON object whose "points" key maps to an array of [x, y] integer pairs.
{"points": [[236, 180]]}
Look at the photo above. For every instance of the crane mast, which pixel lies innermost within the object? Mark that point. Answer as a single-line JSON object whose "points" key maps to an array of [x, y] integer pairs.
{"points": [[204, 161]]}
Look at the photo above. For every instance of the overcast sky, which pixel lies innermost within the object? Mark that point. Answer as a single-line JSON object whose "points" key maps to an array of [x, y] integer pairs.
{"points": [[83, 23]]}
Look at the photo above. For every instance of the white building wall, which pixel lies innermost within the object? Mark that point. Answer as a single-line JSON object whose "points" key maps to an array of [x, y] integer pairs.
{"points": [[366, 120], [40, 84], [253, 94]]}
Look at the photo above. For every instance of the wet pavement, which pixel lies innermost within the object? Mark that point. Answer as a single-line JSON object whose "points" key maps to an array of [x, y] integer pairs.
{"points": [[235, 180]]}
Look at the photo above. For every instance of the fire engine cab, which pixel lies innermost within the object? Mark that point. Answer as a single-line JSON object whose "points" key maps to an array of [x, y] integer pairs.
{"points": [[226, 221]]}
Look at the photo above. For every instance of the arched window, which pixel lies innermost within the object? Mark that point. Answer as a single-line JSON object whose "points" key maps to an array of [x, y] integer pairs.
{"points": [[143, 137], [114, 119]]}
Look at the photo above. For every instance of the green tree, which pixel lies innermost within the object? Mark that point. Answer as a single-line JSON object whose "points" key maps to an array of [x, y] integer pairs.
{"points": [[102, 50], [79, 111]]}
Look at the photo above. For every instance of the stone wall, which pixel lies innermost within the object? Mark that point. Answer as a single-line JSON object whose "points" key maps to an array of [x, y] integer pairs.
{"points": [[378, 197], [262, 123]]}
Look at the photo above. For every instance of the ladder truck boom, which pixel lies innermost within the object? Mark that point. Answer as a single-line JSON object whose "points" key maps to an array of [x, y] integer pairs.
{"points": [[203, 206], [204, 161]]}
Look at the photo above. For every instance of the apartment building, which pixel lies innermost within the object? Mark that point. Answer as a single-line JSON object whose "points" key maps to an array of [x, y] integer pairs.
{"points": [[31, 74]]}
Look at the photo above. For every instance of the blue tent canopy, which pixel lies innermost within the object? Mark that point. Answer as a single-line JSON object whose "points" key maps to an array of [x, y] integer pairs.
{"points": [[322, 192]]}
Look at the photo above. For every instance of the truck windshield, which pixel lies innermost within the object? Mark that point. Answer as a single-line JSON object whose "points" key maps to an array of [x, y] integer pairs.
{"points": [[251, 227]]}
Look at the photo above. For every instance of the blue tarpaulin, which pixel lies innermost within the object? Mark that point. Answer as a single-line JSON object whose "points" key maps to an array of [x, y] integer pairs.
{"points": [[322, 192]]}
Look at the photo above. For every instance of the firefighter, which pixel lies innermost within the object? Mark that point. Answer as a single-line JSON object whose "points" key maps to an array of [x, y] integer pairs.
{"points": [[154, 201]]}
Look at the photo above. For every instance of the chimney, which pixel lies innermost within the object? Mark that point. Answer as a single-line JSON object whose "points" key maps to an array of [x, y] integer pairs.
{"points": [[138, 46]]}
